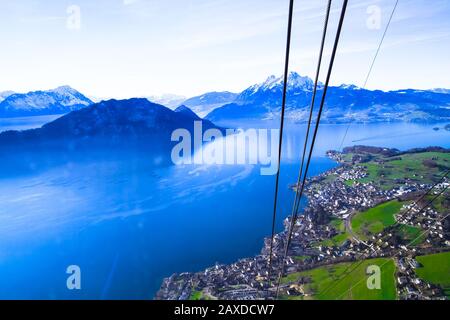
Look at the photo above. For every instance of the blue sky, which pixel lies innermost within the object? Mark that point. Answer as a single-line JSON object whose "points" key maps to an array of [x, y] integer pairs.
{"points": [[127, 48]]}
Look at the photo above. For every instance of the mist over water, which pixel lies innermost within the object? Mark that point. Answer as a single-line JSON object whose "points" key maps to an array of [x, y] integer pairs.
{"points": [[128, 224]]}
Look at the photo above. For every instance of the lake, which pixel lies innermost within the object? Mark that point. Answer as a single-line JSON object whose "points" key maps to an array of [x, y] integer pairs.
{"points": [[24, 123], [128, 225]]}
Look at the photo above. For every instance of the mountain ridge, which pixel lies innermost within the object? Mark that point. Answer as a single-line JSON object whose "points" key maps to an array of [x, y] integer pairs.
{"points": [[111, 120], [344, 103], [113, 129], [60, 100]]}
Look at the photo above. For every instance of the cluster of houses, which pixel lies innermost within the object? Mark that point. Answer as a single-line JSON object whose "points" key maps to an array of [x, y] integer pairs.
{"points": [[176, 287], [410, 287], [426, 219], [248, 278]]}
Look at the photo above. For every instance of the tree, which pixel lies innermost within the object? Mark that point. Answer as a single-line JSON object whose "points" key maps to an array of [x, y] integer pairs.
{"points": [[320, 216]]}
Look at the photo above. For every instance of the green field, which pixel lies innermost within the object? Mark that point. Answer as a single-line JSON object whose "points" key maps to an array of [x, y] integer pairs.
{"points": [[338, 224], [436, 269], [412, 166], [375, 219], [338, 239], [441, 204], [301, 258], [413, 236], [349, 183], [351, 286], [288, 297], [196, 295]]}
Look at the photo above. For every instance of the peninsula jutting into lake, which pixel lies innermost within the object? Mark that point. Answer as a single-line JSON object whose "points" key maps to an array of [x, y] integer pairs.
{"points": [[368, 211]]}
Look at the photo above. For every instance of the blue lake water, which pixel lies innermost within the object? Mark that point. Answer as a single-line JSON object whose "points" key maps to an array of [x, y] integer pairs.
{"points": [[128, 225], [24, 123]]}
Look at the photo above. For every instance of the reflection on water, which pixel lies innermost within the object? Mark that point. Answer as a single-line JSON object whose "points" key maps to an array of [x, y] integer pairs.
{"points": [[128, 224]]}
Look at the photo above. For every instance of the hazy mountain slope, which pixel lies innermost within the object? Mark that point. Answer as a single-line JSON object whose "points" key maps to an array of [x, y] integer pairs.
{"points": [[207, 102], [169, 100]]}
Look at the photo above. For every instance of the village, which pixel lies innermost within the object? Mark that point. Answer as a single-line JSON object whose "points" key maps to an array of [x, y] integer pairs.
{"points": [[330, 196]]}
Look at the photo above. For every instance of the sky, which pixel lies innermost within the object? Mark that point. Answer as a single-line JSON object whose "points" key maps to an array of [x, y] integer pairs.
{"points": [[134, 48]]}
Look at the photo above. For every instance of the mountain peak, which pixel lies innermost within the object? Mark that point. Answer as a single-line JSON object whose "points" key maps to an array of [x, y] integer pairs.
{"points": [[344, 103], [55, 101], [112, 126], [126, 104], [295, 81], [185, 110], [182, 108], [349, 86], [268, 84], [117, 119], [64, 90], [5, 94]]}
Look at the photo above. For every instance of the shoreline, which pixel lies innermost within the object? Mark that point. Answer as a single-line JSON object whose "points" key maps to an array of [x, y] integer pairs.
{"points": [[247, 277], [186, 276]]}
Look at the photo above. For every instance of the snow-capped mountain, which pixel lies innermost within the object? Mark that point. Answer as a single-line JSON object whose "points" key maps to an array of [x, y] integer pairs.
{"points": [[344, 103], [441, 90], [267, 93], [56, 101], [5, 94], [112, 122], [169, 100], [205, 103], [109, 130], [273, 83]]}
